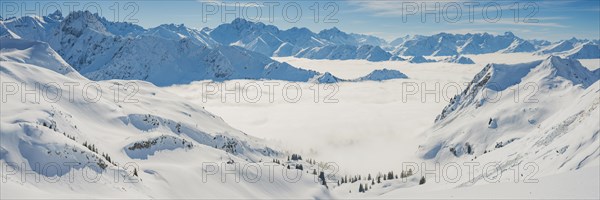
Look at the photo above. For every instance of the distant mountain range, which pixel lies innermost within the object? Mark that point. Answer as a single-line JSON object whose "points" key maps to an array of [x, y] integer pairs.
{"points": [[336, 44], [165, 55], [176, 54]]}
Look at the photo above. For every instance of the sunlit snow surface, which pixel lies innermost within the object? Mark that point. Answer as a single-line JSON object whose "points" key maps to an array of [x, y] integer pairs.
{"points": [[542, 131]]}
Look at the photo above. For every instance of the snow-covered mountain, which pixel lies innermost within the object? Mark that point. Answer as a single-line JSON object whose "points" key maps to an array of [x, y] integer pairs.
{"points": [[572, 48], [63, 34], [363, 39], [458, 59], [151, 144], [327, 78], [337, 37], [256, 37], [7, 33], [165, 55], [519, 46], [539, 44], [561, 46], [300, 42], [445, 44], [586, 50], [266, 39], [419, 59], [442, 44], [551, 121], [399, 41], [179, 32], [346, 52], [382, 75]]}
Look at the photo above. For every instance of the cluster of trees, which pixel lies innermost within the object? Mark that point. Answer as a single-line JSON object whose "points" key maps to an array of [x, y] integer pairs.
{"points": [[298, 157], [178, 127], [151, 120], [69, 136], [405, 174], [107, 157], [375, 180], [323, 180], [276, 161], [50, 125], [91, 147], [295, 157], [362, 188], [388, 176], [468, 148], [299, 166], [347, 179]]}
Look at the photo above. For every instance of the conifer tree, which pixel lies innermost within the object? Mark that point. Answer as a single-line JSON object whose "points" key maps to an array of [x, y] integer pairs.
{"points": [[323, 181]]}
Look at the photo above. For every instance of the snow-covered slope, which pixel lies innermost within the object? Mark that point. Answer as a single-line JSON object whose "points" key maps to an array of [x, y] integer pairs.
{"points": [[560, 46], [544, 112], [35, 53], [399, 41], [7, 33], [519, 46], [586, 50], [573, 48], [143, 143]]}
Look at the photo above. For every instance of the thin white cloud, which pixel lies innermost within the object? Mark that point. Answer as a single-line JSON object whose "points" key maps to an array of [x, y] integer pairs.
{"points": [[230, 4], [511, 22]]}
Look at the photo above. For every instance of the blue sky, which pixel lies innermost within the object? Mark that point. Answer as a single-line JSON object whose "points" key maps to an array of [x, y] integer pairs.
{"points": [[550, 20]]}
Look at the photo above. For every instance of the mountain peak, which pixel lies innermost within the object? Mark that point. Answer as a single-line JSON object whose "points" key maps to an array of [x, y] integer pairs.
{"points": [[76, 22], [56, 15], [172, 26], [241, 22], [569, 69], [383, 74], [333, 30], [326, 78]]}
